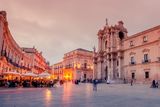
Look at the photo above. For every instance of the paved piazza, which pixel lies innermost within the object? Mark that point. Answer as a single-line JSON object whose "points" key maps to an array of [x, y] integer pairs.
{"points": [[70, 95]]}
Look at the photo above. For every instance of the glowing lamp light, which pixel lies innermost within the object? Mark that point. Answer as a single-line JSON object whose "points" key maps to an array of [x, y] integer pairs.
{"points": [[67, 76], [9, 77], [49, 77], [91, 67], [78, 65]]}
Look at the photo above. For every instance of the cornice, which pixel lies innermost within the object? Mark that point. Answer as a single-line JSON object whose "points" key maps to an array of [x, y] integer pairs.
{"points": [[143, 32]]}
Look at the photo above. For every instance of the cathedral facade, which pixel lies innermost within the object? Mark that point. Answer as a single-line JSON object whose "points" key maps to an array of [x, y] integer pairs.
{"points": [[120, 56]]}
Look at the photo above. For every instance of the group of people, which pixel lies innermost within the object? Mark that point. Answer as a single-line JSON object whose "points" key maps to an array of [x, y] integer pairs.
{"points": [[94, 82], [77, 82], [37, 83], [27, 83], [44, 83], [9, 83], [154, 84]]}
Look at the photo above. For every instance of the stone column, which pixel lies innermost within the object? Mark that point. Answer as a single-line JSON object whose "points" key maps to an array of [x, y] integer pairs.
{"points": [[111, 42], [104, 42], [119, 66], [104, 64], [94, 67], [95, 71], [99, 43], [101, 62], [107, 61], [111, 69], [109, 73], [98, 70], [112, 38]]}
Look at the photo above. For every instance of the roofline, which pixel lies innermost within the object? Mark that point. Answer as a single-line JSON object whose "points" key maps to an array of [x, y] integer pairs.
{"points": [[80, 49], [143, 32], [61, 62]]}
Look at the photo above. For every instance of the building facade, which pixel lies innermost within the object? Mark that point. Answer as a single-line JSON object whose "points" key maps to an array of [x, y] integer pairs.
{"points": [[38, 62], [120, 56], [77, 64], [57, 70], [12, 56]]}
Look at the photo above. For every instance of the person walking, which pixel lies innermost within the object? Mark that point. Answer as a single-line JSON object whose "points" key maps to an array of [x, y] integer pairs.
{"points": [[153, 85], [131, 82], [95, 85]]}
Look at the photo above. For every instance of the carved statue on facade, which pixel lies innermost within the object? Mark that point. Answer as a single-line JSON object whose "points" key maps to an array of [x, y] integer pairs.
{"points": [[106, 21]]}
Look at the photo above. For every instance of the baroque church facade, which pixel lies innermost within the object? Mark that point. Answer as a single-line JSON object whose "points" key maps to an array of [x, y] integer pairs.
{"points": [[120, 56]]}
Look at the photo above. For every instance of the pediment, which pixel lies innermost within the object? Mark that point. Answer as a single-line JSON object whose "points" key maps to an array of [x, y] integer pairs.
{"points": [[146, 50], [132, 53]]}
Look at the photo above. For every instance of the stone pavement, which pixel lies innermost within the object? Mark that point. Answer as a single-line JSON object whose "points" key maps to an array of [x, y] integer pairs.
{"points": [[70, 95]]}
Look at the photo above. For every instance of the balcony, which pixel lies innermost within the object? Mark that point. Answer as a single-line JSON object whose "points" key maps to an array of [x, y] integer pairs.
{"points": [[9, 60], [146, 61], [132, 63]]}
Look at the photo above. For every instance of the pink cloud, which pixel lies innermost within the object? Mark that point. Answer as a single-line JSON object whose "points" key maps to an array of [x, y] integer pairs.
{"points": [[58, 26]]}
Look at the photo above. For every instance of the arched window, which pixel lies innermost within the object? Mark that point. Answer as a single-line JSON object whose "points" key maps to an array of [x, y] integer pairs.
{"points": [[121, 35]]}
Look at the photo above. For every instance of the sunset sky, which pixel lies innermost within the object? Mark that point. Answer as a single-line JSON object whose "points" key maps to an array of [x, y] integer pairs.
{"points": [[59, 26]]}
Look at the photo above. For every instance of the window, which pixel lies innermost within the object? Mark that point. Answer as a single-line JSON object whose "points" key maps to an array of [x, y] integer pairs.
{"points": [[117, 63], [145, 57], [121, 35], [133, 75], [85, 65], [131, 43], [146, 75], [132, 60], [85, 76], [145, 39]]}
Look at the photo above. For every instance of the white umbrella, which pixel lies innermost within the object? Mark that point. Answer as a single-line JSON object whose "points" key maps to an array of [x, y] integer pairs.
{"points": [[30, 74], [44, 74], [12, 73]]}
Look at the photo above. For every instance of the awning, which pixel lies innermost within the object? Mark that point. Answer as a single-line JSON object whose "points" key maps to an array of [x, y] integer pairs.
{"points": [[44, 74], [30, 74], [11, 73]]}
